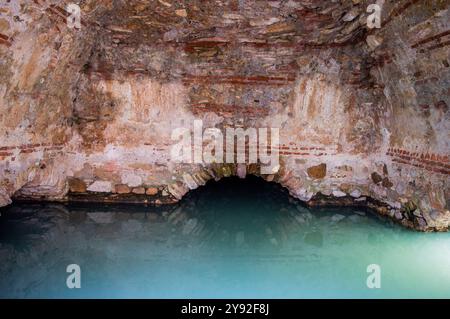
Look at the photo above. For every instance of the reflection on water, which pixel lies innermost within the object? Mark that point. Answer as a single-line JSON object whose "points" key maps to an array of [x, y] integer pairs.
{"points": [[238, 239]]}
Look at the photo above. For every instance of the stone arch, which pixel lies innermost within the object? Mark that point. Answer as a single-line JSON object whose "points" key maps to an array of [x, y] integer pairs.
{"points": [[191, 180]]}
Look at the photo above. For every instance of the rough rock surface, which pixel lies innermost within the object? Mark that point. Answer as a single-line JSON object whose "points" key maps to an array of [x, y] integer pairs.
{"points": [[99, 104]]}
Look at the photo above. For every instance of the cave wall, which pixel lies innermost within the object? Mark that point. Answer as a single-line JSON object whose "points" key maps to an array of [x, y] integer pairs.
{"points": [[415, 77], [362, 113], [146, 91], [40, 58]]}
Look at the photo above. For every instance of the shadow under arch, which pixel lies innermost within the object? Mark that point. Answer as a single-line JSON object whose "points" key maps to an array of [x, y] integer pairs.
{"points": [[252, 211]]}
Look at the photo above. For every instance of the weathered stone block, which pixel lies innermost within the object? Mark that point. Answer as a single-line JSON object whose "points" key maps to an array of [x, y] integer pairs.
{"points": [[317, 172], [122, 189], [376, 178], [77, 185], [100, 187], [152, 191], [387, 183], [139, 190]]}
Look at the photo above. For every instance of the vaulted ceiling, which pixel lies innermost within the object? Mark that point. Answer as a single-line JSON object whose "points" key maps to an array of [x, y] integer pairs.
{"points": [[296, 22]]}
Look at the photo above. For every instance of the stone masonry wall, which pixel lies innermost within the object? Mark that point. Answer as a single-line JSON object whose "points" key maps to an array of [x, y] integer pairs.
{"points": [[363, 113], [40, 58], [415, 81]]}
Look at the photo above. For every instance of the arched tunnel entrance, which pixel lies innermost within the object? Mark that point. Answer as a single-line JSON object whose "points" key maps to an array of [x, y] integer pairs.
{"points": [[252, 212]]}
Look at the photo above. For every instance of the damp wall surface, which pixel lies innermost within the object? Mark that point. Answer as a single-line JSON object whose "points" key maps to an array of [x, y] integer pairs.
{"points": [[362, 113]]}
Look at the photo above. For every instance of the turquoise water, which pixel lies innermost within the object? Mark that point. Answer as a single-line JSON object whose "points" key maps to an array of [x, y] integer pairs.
{"points": [[232, 239]]}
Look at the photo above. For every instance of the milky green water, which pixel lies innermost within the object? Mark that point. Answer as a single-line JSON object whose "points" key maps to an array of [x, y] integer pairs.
{"points": [[233, 239]]}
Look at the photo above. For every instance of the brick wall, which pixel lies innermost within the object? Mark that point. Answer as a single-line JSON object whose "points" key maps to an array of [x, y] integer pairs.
{"points": [[431, 162]]}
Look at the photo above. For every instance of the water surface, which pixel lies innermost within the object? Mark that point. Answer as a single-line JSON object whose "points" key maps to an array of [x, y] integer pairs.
{"points": [[232, 239]]}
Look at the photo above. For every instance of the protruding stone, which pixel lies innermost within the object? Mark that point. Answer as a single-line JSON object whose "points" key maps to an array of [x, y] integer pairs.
{"points": [[280, 27], [226, 171], [351, 15], [304, 195], [387, 183], [165, 3], [434, 214], [200, 178], [181, 13], [189, 181], [178, 190], [263, 22], [232, 16], [339, 194], [422, 222], [4, 198], [396, 205], [152, 191], [122, 189], [374, 41], [100, 187], [131, 179], [345, 187], [317, 172], [356, 193], [417, 213], [410, 206], [376, 178], [76, 185], [139, 190], [242, 171]]}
